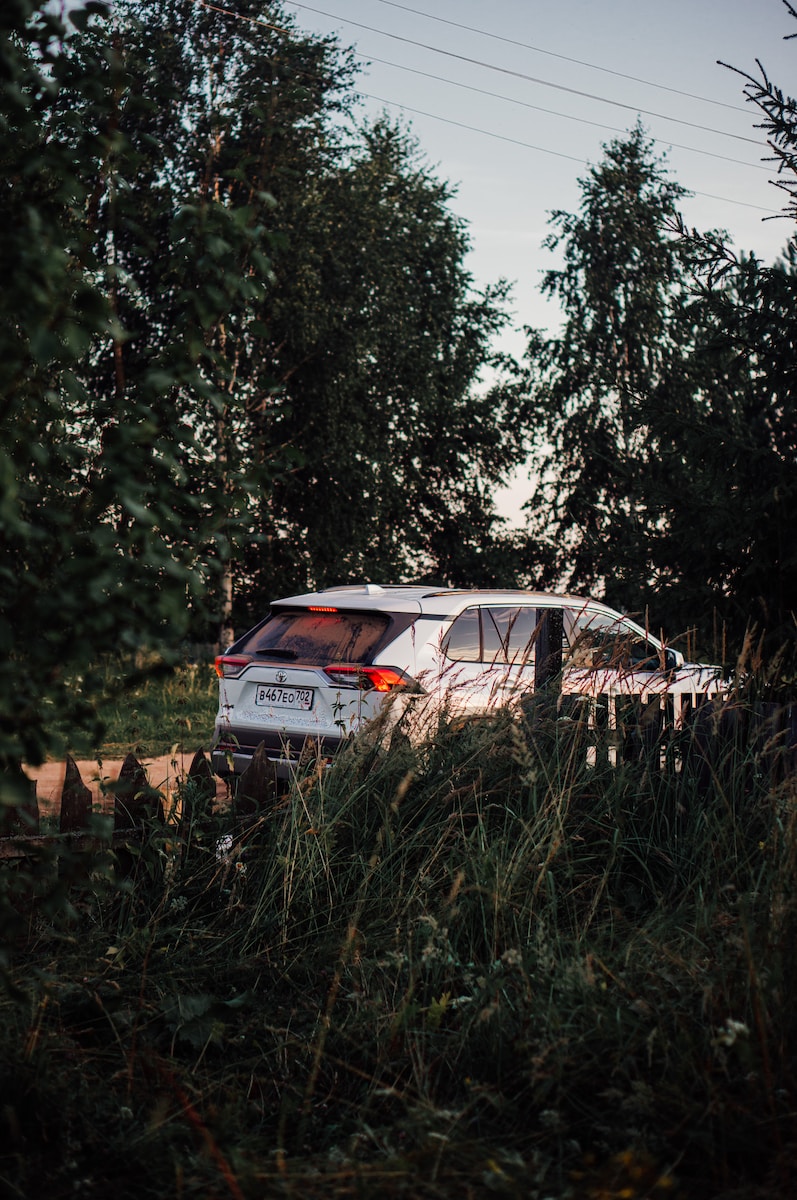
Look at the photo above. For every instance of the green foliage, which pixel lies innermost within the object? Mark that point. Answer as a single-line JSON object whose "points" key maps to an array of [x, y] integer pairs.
{"points": [[108, 527], [665, 412], [620, 287], [492, 958], [349, 411], [379, 340], [188, 232], [725, 421]]}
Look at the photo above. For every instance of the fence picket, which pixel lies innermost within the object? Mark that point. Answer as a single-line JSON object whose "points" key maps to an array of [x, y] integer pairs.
{"points": [[135, 801], [75, 800], [257, 786]]}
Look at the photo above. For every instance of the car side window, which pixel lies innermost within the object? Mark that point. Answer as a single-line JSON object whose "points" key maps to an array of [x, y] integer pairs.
{"points": [[493, 634], [463, 641], [508, 635], [600, 640]]}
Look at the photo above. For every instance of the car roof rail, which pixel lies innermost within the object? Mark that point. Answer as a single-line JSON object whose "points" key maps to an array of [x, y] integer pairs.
{"points": [[379, 589], [369, 589]]}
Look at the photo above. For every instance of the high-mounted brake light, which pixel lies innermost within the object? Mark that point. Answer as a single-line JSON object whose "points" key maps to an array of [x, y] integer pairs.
{"points": [[230, 666], [377, 679], [320, 608]]}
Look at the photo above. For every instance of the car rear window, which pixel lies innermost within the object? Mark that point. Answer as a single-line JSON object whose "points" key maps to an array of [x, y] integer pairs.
{"points": [[318, 638]]}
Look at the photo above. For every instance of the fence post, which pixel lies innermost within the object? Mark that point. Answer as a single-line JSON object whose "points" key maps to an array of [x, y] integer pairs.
{"points": [[257, 786], [75, 800], [134, 802], [134, 799]]}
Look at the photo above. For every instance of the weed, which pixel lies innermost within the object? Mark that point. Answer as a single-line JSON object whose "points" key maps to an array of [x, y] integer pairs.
{"points": [[491, 964]]}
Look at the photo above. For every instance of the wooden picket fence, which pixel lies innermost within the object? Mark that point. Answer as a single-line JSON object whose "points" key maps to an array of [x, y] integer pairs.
{"points": [[701, 734], [136, 804]]}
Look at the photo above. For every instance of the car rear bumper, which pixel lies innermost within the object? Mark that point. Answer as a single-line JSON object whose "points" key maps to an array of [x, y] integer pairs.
{"points": [[233, 750]]}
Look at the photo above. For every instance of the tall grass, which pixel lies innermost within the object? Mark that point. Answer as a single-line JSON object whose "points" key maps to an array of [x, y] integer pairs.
{"points": [[147, 708], [476, 966]]}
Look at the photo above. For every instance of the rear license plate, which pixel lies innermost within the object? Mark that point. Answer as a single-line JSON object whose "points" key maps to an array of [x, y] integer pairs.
{"points": [[284, 697]]}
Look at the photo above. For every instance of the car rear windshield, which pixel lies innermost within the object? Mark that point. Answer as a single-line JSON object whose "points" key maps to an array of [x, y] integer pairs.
{"points": [[318, 638]]}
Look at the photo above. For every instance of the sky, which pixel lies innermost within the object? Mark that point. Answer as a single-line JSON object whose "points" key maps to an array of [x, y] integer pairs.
{"points": [[511, 102]]}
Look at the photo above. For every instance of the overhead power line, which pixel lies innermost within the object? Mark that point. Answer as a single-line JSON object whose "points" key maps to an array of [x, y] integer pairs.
{"points": [[228, 12], [561, 87], [541, 149], [553, 112], [579, 62], [460, 124]]}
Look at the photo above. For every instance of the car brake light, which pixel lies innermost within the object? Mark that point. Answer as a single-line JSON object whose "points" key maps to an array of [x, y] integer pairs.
{"points": [[320, 608], [230, 666], [377, 679]]}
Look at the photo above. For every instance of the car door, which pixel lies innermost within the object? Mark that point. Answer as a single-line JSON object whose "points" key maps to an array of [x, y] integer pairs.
{"points": [[495, 652], [605, 652]]}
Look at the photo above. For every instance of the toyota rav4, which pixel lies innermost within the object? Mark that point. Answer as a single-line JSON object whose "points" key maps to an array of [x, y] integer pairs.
{"points": [[319, 666]]}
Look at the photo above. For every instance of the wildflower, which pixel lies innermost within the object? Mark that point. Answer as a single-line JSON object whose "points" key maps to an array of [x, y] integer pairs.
{"points": [[223, 847], [731, 1032]]}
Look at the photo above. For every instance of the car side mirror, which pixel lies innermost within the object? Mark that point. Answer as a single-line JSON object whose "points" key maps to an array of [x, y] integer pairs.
{"points": [[670, 660]]}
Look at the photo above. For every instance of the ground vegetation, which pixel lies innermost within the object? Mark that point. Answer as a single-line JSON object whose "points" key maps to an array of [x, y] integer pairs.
{"points": [[499, 963]]}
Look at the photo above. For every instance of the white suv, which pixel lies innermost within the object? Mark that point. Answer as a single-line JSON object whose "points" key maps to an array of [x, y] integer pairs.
{"points": [[320, 665]]}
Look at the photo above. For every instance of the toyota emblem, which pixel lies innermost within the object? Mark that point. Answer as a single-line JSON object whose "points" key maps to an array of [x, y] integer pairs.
{"points": [[281, 676]]}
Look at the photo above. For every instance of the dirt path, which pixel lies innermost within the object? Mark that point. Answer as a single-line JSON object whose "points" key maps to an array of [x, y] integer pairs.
{"points": [[162, 772]]}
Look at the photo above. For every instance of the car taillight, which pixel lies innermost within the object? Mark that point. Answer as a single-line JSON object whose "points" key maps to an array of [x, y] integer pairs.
{"points": [[376, 679], [230, 666]]}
